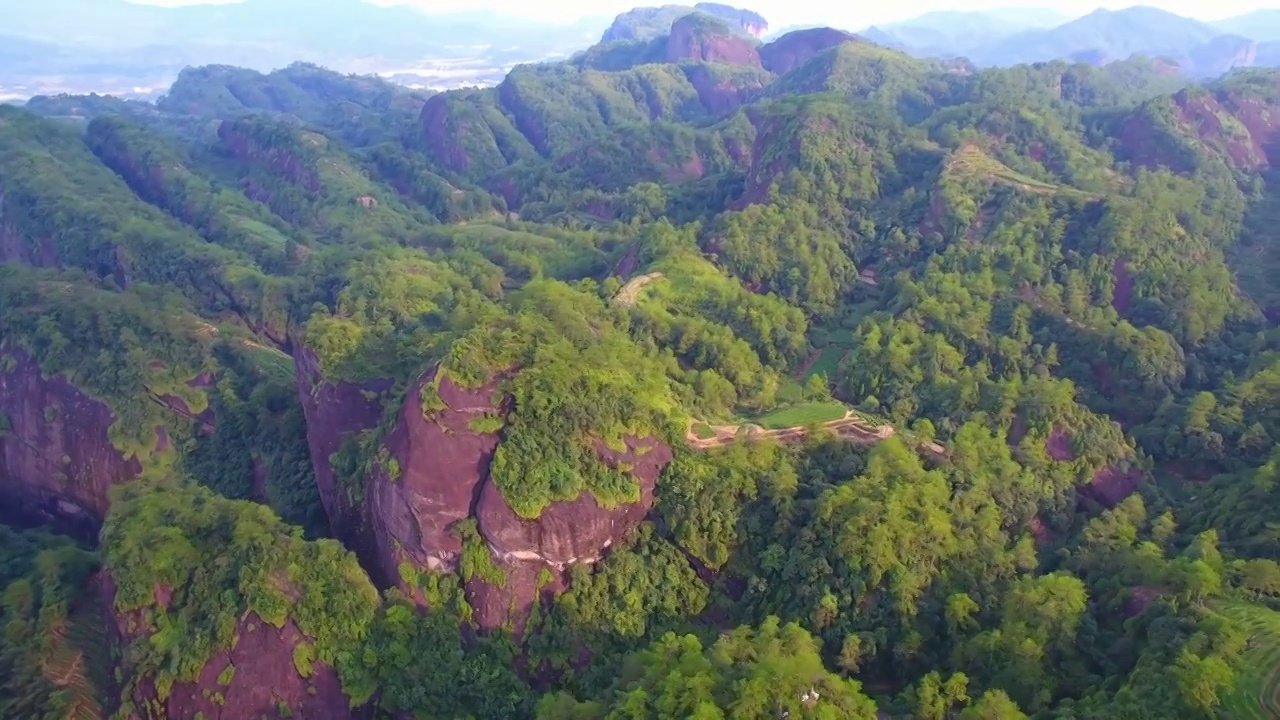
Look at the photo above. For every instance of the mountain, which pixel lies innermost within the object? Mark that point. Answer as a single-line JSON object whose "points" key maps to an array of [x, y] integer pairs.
{"points": [[1109, 34], [647, 23], [1010, 36], [119, 46], [957, 32], [1263, 25], [686, 377]]}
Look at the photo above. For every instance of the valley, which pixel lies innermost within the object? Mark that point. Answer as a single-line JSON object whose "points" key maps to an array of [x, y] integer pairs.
{"points": [[702, 373]]}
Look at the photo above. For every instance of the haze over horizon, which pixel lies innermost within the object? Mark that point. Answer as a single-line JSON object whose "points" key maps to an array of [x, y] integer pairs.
{"points": [[781, 13]]}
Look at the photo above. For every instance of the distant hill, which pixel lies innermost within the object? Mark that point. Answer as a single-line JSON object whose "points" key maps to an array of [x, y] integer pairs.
{"points": [[648, 23], [118, 46], [959, 32], [1117, 33], [1262, 25], [1015, 36]]}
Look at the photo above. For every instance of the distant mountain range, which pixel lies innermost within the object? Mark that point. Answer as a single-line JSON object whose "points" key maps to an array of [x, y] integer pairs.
{"points": [[132, 50], [1014, 36], [129, 49]]}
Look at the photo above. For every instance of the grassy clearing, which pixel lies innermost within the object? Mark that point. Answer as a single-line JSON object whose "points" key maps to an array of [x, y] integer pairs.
{"points": [[262, 230], [1257, 692], [703, 431], [828, 362], [971, 161], [802, 414]]}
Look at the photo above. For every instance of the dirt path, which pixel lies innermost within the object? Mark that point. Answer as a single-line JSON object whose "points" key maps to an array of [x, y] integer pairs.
{"points": [[630, 293], [850, 428]]}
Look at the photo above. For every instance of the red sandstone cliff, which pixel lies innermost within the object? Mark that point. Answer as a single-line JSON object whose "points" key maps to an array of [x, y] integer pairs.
{"points": [[697, 37], [432, 472], [57, 462], [334, 411], [1244, 128], [797, 48], [256, 678], [440, 464]]}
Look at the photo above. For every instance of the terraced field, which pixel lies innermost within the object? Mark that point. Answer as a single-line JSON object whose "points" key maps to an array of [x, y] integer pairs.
{"points": [[1257, 694], [972, 161]]}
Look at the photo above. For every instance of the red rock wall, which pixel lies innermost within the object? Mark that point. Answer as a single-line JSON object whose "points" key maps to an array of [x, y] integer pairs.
{"points": [[264, 680], [442, 463], [57, 463], [333, 411], [797, 48], [689, 41], [434, 473]]}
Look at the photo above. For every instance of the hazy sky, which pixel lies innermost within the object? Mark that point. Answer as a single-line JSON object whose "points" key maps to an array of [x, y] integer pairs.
{"points": [[828, 12]]}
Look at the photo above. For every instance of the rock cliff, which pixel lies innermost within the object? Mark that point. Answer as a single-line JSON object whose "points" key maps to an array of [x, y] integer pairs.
{"points": [[57, 463], [703, 38], [797, 48], [217, 609], [647, 23], [1241, 125], [334, 411], [432, 476], [432, 472], [256, 678]]}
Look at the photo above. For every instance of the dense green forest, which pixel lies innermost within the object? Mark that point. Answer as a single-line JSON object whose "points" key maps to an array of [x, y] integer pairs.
{"points": [[905, 389]]}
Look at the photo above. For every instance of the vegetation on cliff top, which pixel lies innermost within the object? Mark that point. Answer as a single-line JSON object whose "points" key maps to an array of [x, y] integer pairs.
{"points": [[189, 567], [1038, 267]]}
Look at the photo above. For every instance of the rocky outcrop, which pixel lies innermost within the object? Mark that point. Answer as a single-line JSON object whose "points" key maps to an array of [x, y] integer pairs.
{"points": [[432, 477], [1242, 128], [797, 48], [576, 531], [751, 23], [1112, 484], [17, 247], [432, 471], [255, 678], [647, 23], [705, 39], [335, 410], [57, 463], [721, 94], [534, 555], [239, 138]]}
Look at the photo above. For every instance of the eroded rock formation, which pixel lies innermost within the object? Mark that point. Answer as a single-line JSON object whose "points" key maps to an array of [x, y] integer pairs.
{"points": [[432, 472], [256, 678], [57, 463]]}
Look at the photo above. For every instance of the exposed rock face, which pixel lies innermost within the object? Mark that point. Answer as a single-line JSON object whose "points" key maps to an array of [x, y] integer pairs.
{"points": [[433, 471], [1112, 484], [576, 531], [57, 463], [695, 37], [647, 23], [797, 48], [255, 679], [722, 96], [16, 247], [282, 162], [525, 583], [333, 411], [440, 464], [1244, 130], [749, 22]]}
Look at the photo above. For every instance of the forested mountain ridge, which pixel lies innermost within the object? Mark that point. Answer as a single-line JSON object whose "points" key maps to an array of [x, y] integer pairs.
{"points": [[458, 347]]}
